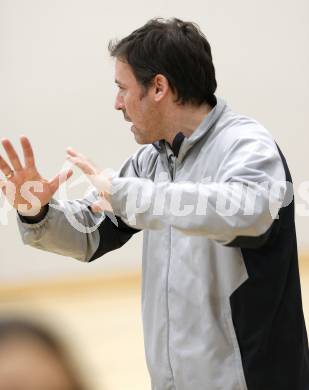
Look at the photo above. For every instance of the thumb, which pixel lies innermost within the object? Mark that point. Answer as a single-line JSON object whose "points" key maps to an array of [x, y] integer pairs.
{"points": [[59, 179], [97, 207], [101, 205]]}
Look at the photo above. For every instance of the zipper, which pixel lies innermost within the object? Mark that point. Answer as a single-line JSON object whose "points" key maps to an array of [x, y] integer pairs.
{"points": [[172, 171], [172, 167]]}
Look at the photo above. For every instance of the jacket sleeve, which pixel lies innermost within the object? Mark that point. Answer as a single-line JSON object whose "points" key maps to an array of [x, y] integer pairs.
{"points": [[243, 199], [70, 228]]}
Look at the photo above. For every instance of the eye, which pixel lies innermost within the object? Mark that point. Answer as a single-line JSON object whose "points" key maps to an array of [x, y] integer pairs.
{"points": [[121, 90]]}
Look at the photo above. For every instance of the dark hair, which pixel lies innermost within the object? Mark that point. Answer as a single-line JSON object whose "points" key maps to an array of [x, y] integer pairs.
{"points": [[176, 49], [13, 328]]}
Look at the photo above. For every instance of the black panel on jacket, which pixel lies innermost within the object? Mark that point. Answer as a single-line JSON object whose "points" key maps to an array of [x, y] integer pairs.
{"points": [[112, 236], [267, 311], [256, 242]]}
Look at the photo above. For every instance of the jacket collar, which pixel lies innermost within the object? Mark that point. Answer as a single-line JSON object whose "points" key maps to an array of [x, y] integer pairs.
{"points": [[186, 144]]}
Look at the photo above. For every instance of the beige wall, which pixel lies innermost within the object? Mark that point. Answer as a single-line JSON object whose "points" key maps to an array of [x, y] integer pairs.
{"points": [[56, 86]]}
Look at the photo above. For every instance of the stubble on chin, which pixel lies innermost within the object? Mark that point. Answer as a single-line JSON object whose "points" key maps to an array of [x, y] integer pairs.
{"points": [[139, 138]]}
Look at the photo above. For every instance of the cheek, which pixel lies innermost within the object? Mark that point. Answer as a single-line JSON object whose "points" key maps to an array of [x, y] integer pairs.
{"points": [[128, 104], [133, 109]]}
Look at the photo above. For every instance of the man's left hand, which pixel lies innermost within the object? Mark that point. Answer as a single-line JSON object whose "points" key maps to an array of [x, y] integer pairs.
{"points": [[101, 179]]}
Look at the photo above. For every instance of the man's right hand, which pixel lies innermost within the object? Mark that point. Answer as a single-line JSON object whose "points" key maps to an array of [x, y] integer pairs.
{"points": [[26, 190]]}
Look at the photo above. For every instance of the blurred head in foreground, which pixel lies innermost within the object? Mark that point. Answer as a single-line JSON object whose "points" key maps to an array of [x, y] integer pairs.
{"points": [[31, 358]]}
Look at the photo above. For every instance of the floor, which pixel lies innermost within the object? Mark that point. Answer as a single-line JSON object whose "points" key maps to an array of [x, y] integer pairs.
{"points": [[101, 323]]}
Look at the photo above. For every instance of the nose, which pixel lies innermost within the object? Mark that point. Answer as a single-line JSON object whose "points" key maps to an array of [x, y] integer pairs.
{"points": [[119, 102]]}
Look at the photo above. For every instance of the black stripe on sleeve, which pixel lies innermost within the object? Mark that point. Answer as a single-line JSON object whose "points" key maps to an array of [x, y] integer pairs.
{"points": [[112, 236]]}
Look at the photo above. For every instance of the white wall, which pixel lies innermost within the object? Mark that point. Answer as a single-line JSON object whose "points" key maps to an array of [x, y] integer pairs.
{"points": [[56, 86]]}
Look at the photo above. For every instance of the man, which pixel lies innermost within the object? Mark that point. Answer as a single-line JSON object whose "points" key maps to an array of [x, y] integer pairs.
{"points": [[221, 293]]}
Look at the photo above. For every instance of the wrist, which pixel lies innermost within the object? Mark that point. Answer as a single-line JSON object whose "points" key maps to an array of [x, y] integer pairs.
{"points": [[34, 216]]}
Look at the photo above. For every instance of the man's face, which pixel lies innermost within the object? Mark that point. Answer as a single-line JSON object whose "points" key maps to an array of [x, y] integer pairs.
{"points": [[137, 105]]}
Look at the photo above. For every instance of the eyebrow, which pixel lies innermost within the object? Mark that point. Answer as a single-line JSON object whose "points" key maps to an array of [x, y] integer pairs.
{"points": [[120, 83]]}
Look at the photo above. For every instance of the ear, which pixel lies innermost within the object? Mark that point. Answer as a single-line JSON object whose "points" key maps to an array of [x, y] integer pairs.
{"points": [[160, 87]]}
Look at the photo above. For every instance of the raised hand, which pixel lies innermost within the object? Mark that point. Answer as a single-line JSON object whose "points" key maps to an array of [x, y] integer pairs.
{"points": [[26, 190], [99, 178]]}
